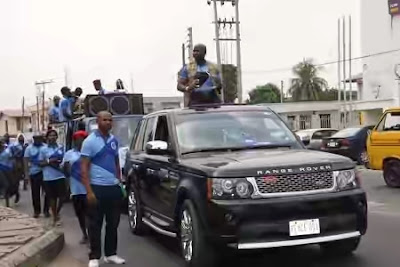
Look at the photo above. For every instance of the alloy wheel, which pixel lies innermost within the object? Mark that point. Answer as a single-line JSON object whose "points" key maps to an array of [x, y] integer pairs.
{"points": [[187, 235]]}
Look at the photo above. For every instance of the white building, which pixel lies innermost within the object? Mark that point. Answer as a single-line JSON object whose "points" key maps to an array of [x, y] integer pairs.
{"points": [[378, 86], [380, 32]]}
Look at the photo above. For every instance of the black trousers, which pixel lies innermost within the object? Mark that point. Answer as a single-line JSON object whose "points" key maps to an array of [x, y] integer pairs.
{"points": [[80, 207], [37, 186], [108, 206]]}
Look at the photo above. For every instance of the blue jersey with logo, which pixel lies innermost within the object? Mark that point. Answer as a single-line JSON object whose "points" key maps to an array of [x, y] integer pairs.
{"points": [[52, 152], [103, 153], [73, 157], [32, 154], [6, 160]]}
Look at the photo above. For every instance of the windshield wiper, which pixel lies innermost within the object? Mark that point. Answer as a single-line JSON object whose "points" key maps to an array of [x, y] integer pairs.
{"points": [[264, 146]]}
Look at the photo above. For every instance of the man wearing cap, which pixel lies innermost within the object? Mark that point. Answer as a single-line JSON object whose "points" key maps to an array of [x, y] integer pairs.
{"points": [[72, 167], [200, 80], [101, 176], [34, 172]]}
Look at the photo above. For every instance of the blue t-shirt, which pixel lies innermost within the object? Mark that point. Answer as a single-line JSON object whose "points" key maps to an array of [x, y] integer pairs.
{"points": [[103, 153], [54, 113], [65, 107], [73, 157], [6, 161], [32, 154], [50, 152]]}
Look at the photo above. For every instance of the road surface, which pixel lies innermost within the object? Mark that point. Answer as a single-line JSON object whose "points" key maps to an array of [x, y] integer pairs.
{"points": [[380, 247]]}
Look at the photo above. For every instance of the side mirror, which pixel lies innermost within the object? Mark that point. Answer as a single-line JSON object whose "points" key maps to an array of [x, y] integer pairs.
{"points": [[157, 148]]}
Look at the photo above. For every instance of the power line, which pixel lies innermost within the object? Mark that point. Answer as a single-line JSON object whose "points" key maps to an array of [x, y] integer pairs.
{"points": [[327, 63]]}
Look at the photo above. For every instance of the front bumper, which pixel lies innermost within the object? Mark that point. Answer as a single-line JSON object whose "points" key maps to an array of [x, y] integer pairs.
{"points": [[264, 223]]}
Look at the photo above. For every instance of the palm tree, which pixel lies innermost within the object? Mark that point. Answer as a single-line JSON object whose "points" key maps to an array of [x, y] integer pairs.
{"points": [[307, 85]]}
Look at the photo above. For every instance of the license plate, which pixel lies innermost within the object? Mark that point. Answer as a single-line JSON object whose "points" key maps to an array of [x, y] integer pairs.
{"points": [[304, 227], [332, 144]]}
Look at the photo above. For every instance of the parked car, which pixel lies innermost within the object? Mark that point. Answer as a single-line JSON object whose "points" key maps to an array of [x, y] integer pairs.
{"points": [[312, 138], [349, 142], [237, 177], [384, 147]]}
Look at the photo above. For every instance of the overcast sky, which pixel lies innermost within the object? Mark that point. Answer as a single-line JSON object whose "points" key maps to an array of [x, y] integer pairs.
{"points": [[111, 39]]}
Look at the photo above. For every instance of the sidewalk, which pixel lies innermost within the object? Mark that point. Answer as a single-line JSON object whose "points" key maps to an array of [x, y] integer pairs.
{"points": [[27, 242]]}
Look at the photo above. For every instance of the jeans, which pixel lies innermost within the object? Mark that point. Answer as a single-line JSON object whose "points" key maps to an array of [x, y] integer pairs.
{"points": [[108, 206], [36, 185]]}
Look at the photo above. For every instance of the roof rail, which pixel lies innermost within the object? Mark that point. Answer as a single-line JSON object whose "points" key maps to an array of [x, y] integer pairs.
{"points": [[215, 105]]}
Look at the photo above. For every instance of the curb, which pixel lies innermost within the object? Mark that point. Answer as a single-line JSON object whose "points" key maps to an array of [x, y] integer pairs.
{"points": [[37, 253]]}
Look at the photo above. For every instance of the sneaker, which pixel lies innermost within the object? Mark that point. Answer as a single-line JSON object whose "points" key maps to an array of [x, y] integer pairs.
{"points": [[114, 259], [94, 263]]}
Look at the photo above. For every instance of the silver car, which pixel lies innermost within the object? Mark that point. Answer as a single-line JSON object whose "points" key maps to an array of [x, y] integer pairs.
{"points": [[312, 138]]}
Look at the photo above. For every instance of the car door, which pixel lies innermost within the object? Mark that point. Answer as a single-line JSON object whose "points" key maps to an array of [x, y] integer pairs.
{"points": [[316, 140], [384, 140], [162, 177]]}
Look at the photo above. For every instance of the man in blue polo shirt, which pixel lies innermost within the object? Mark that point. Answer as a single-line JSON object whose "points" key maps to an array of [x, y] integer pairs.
{"points": [[101, 176], [35, 173]]}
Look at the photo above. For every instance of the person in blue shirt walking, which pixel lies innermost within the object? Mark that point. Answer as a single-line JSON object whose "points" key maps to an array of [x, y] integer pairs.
{"points": [[101, 176], [51, 157], [35, 174], [6, 171], [72, 167]]}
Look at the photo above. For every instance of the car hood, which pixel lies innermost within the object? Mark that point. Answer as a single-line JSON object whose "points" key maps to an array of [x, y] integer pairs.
{"points": [[251, 163]]}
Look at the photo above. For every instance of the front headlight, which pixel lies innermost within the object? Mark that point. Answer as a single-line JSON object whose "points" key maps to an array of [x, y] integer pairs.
{"points": [[235, 188], [346, 179]]}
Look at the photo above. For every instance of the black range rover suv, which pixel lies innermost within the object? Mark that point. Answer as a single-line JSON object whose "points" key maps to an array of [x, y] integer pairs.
{"points": [[237, 177]]}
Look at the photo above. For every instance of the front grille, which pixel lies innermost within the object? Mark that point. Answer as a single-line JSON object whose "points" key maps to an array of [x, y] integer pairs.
{"points": [[301, 182]]}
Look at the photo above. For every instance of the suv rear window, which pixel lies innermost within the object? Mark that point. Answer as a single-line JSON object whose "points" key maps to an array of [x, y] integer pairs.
{"points": [[231, 130]]}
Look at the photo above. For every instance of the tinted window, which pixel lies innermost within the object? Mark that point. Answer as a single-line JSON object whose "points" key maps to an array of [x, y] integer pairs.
{"points": [[162, 133], [346, 133], [149, 133], [136, 135], [231, 130]]}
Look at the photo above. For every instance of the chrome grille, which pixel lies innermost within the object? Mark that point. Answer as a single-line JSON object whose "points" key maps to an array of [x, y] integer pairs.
{"points": [[301, 182]]}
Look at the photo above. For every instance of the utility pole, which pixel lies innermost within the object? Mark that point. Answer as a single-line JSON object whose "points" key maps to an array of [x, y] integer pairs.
{"points": [[350, 74], [344, 72], [238, 53], [235, 21], [339, 74], [183, 55], [23, 114], [190, 43], [217, 43], [42, 95], [281, 91]]}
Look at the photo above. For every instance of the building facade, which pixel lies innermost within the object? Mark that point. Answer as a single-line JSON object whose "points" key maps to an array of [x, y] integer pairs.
{"points": [[380, 33], [152, 104], [14, 122]]}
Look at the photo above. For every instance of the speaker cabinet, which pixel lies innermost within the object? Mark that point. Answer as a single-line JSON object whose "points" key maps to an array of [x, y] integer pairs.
{"points": [[116, 104]]}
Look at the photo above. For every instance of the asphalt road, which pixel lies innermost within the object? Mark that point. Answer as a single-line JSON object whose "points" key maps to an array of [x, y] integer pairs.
{"points": [[378, 248]]}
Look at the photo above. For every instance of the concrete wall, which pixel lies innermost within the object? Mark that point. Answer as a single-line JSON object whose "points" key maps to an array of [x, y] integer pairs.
{"points": [[13, 128], [380, 32]]}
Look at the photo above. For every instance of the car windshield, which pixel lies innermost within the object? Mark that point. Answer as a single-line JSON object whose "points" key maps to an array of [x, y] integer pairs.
{"points": [[232, 130], [123, 129], [346, 133]]}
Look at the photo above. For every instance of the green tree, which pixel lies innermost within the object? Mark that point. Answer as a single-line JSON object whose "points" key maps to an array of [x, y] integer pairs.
{"points": [[268, 93], [306, 85], [229, 75]]}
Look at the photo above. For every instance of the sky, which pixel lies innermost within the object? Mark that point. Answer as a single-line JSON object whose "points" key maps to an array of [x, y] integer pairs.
{"points": [[139, 41]]}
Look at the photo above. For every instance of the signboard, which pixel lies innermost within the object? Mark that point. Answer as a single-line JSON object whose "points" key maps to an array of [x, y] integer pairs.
{"points": [[394, 7]]}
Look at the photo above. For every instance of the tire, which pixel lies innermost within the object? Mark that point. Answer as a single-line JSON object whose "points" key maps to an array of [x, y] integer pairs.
{"points": [[391, 173], [341, 248], [135, 212], [363, 158], [196, 250]]}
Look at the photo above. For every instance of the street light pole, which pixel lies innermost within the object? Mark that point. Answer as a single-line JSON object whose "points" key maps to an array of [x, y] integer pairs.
{"points": [[218, 47], [238, 55]]}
